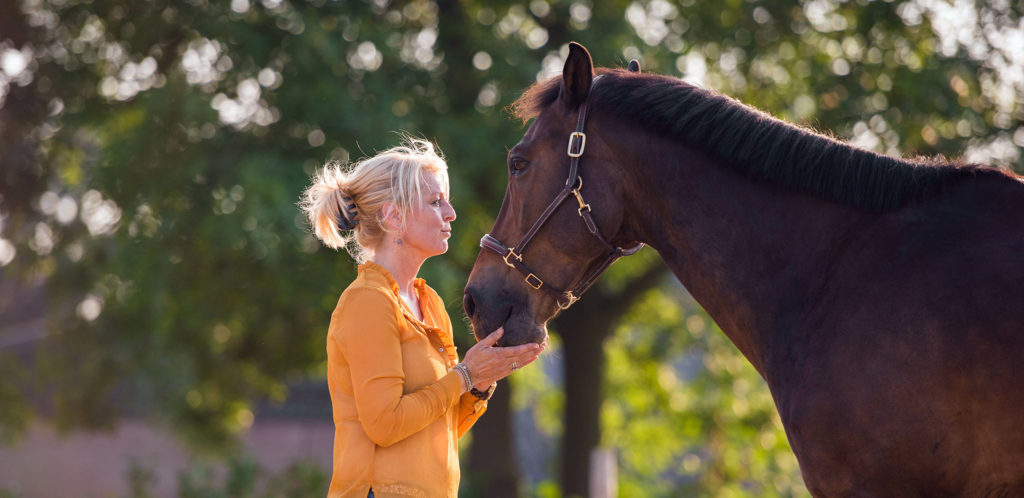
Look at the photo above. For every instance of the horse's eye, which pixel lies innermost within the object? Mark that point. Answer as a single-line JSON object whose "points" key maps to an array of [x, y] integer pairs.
{"points": [[517, 165]]}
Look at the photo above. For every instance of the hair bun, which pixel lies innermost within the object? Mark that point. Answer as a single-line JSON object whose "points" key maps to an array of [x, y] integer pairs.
{"points": [[347, 214]]}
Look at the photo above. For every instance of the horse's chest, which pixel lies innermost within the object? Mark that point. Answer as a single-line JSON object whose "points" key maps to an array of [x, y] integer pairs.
{"points": [[867, 429]]}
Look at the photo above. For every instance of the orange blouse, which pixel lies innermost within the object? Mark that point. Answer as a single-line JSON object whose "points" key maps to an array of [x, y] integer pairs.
{"points": [[398, 406]]}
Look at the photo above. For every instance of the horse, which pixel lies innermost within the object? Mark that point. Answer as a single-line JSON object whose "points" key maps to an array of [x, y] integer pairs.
{"points": [[880, 298]]}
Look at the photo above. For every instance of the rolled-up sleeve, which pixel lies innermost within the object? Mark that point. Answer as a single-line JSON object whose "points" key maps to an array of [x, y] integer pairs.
{"points": [[470, 410], [365, 328]]}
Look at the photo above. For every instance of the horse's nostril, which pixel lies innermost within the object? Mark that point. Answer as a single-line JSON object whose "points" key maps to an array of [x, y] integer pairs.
{"points": [[468, 304]]}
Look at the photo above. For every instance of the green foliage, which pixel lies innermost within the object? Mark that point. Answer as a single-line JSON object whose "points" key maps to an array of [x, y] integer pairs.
{"points": [[687, 413], [537, 392], [300, 480], [200, 481], [238, 477], [140, 479], [15, 414]]}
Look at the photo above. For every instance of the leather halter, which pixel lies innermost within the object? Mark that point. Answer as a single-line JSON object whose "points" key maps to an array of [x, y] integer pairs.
{"points": [[513, 256]]}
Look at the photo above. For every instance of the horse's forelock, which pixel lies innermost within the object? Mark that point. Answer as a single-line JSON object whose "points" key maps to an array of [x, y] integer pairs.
{"points": [[535, 99], [544, 93]]}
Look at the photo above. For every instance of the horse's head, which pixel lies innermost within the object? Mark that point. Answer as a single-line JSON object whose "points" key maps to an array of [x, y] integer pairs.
{"points": [[561, 222]]}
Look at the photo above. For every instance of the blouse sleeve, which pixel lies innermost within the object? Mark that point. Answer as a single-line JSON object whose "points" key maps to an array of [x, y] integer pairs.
{"points": [[470, 407], [470, 410], [365, 328]]}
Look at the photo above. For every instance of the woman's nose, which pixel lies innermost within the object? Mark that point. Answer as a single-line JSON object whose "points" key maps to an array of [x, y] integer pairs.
{"points": [[449, 214]]}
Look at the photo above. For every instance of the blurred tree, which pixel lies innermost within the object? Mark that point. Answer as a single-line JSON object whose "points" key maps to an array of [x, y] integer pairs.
{"points": [[584, 331], [152, 152]]}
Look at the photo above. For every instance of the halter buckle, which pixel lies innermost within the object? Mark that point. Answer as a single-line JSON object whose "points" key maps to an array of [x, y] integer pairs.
{"points": [[536, 286], [572, 139], [572, 300], [514, 255]]}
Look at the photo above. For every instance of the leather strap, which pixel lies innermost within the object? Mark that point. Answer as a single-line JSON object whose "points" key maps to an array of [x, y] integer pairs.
{"points": [[513, 257], [495, 245]]}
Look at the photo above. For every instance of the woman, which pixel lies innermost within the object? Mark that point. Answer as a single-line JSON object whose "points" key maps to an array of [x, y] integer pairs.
{"points": [[400, 396]]}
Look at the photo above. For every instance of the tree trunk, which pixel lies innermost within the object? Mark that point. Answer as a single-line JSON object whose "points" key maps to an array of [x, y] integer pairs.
{"points": [[491, 468], [584, 370], [584, 329]]}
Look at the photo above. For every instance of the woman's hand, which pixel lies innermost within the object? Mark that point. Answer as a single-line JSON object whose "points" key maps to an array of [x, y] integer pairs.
{"points": [[488, 364]]}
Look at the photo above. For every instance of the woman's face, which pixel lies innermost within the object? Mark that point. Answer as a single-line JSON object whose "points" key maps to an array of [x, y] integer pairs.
{"points": [[428, 224]]}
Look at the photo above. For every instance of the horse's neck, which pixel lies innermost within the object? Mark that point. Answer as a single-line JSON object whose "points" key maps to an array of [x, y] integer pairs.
{"points": [[754, 255]]}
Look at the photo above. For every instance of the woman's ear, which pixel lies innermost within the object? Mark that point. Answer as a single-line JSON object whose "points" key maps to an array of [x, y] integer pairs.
{"points": [[391, 216]]}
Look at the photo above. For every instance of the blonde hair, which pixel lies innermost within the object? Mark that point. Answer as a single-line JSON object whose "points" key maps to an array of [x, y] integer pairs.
{"points": [[393, 176]]}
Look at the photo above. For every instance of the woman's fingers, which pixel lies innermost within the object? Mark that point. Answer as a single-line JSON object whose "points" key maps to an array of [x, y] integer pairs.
{"points": [[524, 360], [492, 337], [520, 356], [515, 351], [499, 361], [488, 342]]}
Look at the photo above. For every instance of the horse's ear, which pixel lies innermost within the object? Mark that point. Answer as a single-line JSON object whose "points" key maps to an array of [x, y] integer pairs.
{"points": [[634, 66], [577, 75]]}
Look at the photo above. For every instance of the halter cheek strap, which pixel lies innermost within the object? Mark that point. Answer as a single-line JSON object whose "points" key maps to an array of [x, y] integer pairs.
{"points": [[513, 256]]}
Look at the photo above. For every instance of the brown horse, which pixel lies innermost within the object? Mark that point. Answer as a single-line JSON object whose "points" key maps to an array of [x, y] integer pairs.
{"points": [[881, 299]]}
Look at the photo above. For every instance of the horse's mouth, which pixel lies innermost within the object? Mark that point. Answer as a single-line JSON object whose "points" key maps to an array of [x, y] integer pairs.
{"points": [[503, 322]]}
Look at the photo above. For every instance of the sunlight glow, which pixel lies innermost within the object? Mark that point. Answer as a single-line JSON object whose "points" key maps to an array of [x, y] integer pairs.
{"points": [[366, 57], [13, 62], [985, 35], [240, 6], [649, 23], [1001, 151], [488, 96], [90, 307], [579, 14], [203, 62], [247, 108], [99, 215], [694, 68], [7, 252], [552, 64], [482, 61], [14, 68]]}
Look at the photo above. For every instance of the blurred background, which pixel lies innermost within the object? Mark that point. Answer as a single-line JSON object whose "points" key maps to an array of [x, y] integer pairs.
{"points": [[163, 307]]}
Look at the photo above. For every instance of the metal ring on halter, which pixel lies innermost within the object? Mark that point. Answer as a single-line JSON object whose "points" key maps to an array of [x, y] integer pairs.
{"points": [[515, 366], [572, 298]]}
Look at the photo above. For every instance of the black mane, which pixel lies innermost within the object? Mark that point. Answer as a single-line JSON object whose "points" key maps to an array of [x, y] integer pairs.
{"points": [[759, 145]]}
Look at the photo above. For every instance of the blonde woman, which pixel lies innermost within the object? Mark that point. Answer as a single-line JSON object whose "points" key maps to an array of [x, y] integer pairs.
{"points": [[401, 398]]}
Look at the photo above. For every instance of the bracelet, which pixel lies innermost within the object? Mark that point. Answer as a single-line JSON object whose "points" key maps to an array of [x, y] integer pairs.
{"points": [[464, 373], [483, 395]]}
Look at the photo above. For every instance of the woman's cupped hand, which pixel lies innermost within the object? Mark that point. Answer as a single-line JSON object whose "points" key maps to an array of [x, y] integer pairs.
{"points": [[488, 363]]}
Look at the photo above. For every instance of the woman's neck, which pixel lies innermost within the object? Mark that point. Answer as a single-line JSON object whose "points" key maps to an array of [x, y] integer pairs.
{"points": [[401, 267]]}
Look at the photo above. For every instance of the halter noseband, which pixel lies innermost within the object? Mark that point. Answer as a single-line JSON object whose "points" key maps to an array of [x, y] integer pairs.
{"points": [[513, 256]]}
